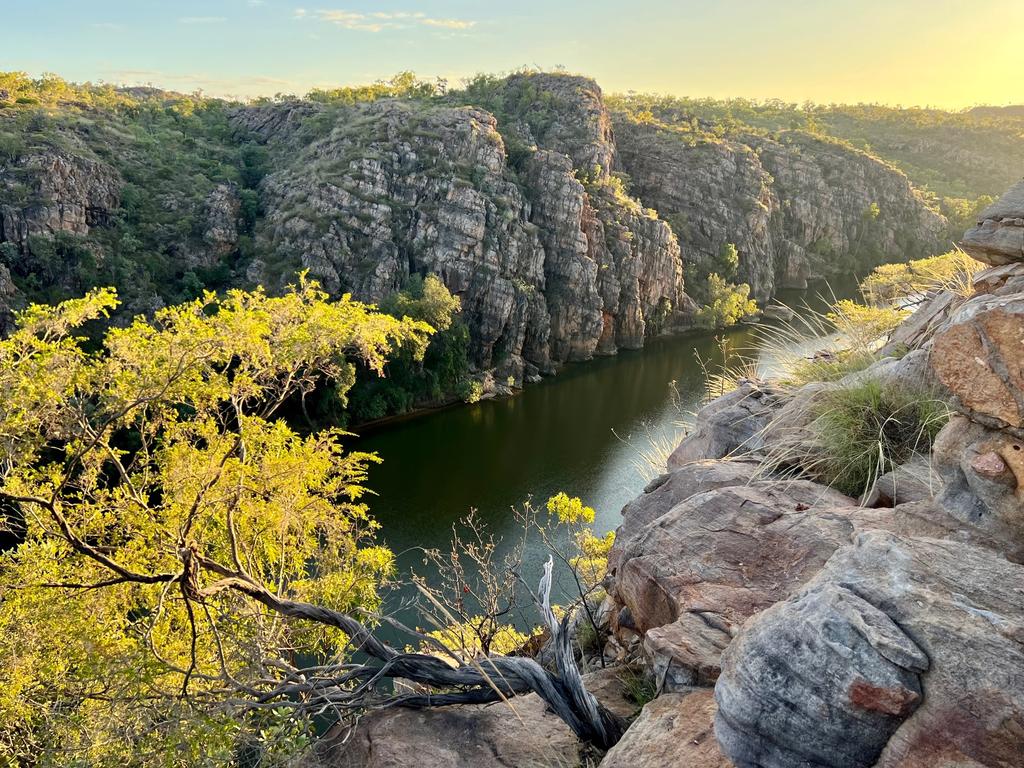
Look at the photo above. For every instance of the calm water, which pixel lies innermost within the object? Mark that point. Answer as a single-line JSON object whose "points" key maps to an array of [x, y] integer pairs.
{"points": [[579, 432]]}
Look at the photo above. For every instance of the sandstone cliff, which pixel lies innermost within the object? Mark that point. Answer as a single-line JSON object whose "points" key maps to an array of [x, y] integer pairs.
{"points": [[563, 227], [548, 268], [797, 206]]}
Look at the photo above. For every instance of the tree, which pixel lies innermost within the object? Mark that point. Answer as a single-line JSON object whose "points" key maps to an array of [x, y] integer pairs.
{"points": [[727, 303], [189, 568]]}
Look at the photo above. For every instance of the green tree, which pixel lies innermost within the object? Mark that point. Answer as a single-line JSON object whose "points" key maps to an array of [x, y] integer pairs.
{"points": [[165, 513], [727, 303]]}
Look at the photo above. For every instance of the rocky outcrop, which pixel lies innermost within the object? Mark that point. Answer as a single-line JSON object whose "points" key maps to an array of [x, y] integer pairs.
{"points": [[901, 652], [517, 734], [53, 191], [999, 236], [673, 731], [548, 268], [796, 206]]}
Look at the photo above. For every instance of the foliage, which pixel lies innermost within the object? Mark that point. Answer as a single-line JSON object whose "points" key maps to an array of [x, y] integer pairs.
{"points": [[569, 509], [164, 506], [959, 155], [637, 686], [404, 85], [441, 374], [727, 303], [862, 325], [866, 429], [480, 636], [901, 283]]}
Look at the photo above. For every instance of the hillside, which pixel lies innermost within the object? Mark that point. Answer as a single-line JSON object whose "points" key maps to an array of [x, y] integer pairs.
{"points": [[567, 224]]}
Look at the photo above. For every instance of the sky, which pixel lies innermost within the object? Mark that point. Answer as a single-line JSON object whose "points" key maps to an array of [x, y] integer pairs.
{"points": [[943, 53]]}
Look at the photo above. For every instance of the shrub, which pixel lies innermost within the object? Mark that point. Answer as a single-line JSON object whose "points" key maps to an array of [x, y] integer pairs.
{"points": [[896, 283], [728, 303], [866, 429]]}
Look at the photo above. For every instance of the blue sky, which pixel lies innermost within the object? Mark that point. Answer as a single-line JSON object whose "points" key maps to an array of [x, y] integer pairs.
{"points": [[940, 52]]}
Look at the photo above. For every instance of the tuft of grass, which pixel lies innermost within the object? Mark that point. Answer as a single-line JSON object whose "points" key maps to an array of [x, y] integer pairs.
{"points": [[637, 686], [866, 429]]}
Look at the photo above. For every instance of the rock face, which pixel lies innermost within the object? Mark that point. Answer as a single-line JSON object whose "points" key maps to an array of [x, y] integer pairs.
{"points": [[673, 731], [796, 206], [548, 268], [53, 191], [520, 734], [979, 357], [901, 652], [999, 236]]}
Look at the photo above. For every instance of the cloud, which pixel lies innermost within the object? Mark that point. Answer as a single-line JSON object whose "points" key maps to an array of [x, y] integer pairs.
{"points": [[106, 25], [448, 23], [380, 21], [202, 20]]}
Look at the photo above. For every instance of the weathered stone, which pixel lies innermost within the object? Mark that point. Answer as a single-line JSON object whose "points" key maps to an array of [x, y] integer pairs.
{"points": [[519, 734], [914, 481], [999, 236], [728, 553], [665, 491], [902, 652], [673, 731], [686, 652], [789, 204], [979, 357], [983, 476], [547, 269], [66, 193], [731, 425], [824, 678]]}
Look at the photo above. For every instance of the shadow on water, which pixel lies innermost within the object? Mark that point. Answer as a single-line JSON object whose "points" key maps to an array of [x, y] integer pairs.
{"points": [[577, 432]]}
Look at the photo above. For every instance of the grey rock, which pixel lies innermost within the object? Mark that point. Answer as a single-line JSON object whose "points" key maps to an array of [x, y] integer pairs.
{"points": [[998, 237], [934, 627], [822, 679], [983, 481], [731, 425]]}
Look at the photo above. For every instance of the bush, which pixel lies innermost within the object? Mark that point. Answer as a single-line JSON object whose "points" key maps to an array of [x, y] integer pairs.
{"points": [[867, 429], [728, 303]]}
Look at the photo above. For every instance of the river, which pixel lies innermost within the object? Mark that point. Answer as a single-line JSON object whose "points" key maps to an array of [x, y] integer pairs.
{"points": [[582, 432]]}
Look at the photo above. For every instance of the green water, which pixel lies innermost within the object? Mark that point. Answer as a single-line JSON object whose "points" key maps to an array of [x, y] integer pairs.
{"points": [[580, 432]]}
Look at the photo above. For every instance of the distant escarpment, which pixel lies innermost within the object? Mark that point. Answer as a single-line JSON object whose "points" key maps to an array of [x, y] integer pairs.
{"points": [[798, 207], [565, 228], [550, 265]]}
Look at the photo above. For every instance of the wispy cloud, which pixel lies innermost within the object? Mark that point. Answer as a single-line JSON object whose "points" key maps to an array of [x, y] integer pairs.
{"points": [[379, 21], [448, 23], [106, 25], [202, 19]]}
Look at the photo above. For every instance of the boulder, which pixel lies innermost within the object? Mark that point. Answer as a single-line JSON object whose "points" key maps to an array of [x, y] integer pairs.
{"points": [[522, 732], [998, 237], [673, 731], [693, 575], [731, 425], [916, 480], [979, 358], [901, 652], [671, 488], [983, 482]]}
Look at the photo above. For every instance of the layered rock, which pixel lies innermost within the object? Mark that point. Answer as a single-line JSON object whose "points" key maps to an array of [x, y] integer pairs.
{"points": [[548, 268], [53, 191], [999, 236], [796, 206], [901, 652]]}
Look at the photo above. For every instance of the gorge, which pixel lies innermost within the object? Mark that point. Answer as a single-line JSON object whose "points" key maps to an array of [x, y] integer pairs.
{"points": [[782, 534]]}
